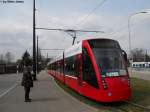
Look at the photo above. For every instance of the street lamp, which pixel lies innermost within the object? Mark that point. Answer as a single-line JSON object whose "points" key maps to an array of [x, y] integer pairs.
{"points": [[129, 29]]}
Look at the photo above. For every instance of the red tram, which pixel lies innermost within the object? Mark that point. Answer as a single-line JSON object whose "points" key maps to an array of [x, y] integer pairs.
{"points": [[95, 68]]}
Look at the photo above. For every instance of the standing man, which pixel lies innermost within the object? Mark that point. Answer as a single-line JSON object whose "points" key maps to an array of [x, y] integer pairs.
{"points": [[27, 82]]}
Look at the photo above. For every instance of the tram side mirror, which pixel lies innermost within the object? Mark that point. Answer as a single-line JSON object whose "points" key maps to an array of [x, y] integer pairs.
{"points": [[124, 55]]}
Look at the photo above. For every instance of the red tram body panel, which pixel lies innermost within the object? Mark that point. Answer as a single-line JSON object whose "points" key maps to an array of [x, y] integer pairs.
{"points": [[95, 68]]}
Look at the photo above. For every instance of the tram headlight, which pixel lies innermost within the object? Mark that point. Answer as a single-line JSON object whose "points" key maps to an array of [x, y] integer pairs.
{"points": [[104, 84], [128, 81]]}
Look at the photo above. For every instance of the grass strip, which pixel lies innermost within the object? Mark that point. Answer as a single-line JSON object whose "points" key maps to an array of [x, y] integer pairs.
{"points": [[140, 91]]}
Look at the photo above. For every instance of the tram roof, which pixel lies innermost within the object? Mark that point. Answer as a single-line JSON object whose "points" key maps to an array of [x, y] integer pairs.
{"points": [[75, 49]]}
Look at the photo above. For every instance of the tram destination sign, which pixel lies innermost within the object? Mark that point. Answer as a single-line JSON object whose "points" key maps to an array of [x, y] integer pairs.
{"points": [[11, 1]]}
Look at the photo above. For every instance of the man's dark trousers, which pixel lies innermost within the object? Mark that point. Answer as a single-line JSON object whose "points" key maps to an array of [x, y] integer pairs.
{"points": [[27, 91]]}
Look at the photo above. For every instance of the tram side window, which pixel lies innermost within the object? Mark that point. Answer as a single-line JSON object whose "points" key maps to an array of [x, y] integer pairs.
{"points": [[53, 66], [70, 66], [49, 67], [88, 71], [59, 66], [77, 64]]}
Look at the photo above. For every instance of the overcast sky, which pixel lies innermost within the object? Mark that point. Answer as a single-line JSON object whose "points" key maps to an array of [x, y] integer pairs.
{"points": [[110, 16]]}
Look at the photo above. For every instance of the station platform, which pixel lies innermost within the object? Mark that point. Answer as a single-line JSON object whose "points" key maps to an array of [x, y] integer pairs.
{"points": [[46, 96]]}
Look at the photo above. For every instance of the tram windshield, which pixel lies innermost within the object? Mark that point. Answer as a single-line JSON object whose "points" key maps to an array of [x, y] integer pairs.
{"points": [[110, 60]]}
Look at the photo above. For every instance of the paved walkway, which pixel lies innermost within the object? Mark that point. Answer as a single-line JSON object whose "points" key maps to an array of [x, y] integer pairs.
{"points": [[46, 96]]}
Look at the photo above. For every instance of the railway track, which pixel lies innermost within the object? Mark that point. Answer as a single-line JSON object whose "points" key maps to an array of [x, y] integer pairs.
{"points": [[138, 105], [130, 107]]}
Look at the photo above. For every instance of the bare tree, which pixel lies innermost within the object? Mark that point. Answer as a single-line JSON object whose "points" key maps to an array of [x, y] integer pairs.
{"points": [[2, 61], [138, 55], [26, 59], [9, 57]]}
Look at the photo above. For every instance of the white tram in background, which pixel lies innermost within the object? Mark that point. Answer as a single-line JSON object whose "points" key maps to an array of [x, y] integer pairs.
{"points": [[140, 64]]}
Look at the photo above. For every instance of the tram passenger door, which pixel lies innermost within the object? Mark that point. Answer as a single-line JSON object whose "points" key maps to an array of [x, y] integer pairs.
{"points": [[89, 81], [79, 72]]}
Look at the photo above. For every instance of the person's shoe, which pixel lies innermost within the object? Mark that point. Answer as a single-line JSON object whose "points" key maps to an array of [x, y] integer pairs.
{"points": [[30, 99]]}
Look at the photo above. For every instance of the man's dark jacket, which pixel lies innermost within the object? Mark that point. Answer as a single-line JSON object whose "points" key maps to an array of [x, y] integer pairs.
{"points": [[27, 79]]}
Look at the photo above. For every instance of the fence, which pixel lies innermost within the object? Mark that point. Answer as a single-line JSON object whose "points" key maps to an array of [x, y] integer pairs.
{"points": [[8, 68]]}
